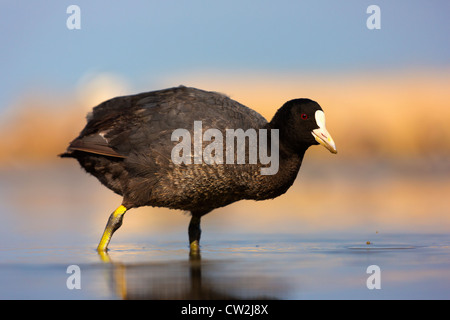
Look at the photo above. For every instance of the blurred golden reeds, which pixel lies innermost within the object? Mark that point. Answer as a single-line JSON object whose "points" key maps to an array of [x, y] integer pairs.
{"points": [[380, 114]]}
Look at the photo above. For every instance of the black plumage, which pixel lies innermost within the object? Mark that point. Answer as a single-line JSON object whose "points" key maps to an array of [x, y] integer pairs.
{"points": [[127, 145]]}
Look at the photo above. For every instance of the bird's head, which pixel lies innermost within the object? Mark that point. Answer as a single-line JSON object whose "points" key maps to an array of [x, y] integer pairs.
{"points": [[302, 123]]}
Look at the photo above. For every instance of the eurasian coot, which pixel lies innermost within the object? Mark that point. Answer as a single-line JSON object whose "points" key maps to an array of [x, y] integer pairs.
{"points": [[189, 149]]}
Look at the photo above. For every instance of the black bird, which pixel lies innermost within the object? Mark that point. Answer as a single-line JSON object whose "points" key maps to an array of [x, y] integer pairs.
{"points": [[132, 145]]}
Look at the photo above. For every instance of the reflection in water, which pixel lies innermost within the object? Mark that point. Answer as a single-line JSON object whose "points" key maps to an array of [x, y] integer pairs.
{"points": [[192, 279]]}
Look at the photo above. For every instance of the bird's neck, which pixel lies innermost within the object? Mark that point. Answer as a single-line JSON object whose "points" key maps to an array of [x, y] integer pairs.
{"points": [[274, 185]]}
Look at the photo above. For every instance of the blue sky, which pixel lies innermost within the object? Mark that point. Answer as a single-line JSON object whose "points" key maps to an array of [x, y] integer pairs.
{"points": [[146, 40]]}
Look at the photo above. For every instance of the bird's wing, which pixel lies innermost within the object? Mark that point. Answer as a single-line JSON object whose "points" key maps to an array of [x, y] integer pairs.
{"points": [[144, 123]]}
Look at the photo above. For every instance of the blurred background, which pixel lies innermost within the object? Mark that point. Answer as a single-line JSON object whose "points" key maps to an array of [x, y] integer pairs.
{"points": [[385, 93]]}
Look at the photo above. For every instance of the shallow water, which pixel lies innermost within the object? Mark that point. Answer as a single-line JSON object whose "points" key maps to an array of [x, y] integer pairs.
{"points": [[48, 224], [411, 267]]}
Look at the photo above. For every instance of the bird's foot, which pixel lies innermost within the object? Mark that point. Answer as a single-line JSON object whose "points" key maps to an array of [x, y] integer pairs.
{"points": [[194, 249]]}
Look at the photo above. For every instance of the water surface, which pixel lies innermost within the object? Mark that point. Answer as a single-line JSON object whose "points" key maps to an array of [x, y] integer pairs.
{"points": [[299, 246], [274, 267]]}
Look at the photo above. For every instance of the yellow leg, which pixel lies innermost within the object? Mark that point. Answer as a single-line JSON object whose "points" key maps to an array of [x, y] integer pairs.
{"points": [[114, 223], [104, 256], [194, 248]]}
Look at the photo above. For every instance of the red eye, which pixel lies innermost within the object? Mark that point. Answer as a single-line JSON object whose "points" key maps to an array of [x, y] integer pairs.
{"points": [[304, 116]]}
